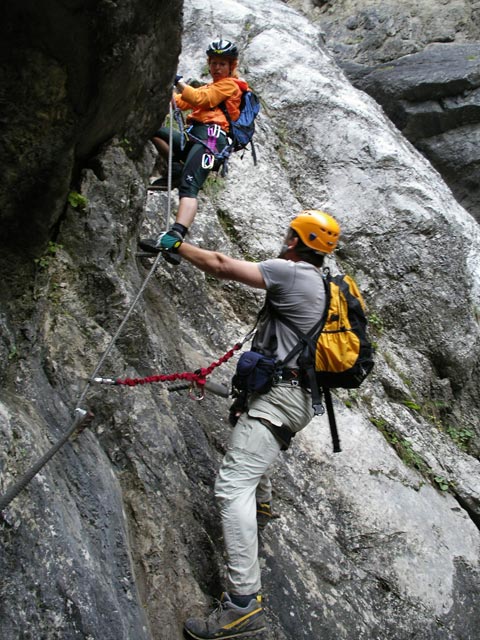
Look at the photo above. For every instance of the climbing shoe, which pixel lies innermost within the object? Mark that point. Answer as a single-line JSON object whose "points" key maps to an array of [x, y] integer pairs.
{"points": [[229, 621], [265, 514]]}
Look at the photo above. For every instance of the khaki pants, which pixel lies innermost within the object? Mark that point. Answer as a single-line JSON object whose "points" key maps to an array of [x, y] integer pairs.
{"points": [[244, 478]]}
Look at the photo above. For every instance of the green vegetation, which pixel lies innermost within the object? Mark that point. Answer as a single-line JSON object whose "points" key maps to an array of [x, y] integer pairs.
{"points": [[77, 201], [461, 436], [45, 261], [227, 225], [431, 411], [442, 483], [126, 145], [13, 353], [410, 404], [406, 453], [213, 185], [375, 322]]}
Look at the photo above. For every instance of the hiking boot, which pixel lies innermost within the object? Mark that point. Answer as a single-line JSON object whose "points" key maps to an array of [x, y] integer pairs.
{"points": [[265, 514], [229, 621]]}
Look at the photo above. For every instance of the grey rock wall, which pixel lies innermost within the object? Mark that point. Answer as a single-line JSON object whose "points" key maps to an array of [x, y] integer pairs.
{"points": [[119, 536], [420, 62], [74, 75]]}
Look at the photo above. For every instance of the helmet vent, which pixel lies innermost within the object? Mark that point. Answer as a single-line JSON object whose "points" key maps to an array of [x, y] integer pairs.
{"points": [[312, 236]]}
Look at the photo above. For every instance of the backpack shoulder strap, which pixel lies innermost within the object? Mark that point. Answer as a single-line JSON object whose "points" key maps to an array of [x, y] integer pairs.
{"points": [[223, 107], [308, 341], [307, 345]]}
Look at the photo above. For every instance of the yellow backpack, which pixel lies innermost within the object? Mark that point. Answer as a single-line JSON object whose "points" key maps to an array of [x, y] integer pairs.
{"points": [[343, 353], [336, 352]]}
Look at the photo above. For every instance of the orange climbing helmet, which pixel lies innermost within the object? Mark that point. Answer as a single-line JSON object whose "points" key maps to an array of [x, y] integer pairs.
{"points": [[317, 230]]}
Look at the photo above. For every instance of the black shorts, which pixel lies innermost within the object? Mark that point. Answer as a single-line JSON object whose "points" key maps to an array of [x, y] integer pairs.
{"points": [[192, 156]]}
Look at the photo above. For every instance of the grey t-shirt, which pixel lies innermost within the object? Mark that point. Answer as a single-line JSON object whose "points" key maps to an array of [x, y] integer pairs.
{"points": [[296, 289]]}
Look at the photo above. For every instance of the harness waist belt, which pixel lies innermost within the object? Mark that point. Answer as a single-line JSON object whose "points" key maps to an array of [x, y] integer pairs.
{"points": [[289, 374], [195, 123]]}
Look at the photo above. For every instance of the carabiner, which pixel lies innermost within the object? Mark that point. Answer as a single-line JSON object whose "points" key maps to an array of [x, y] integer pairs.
{"points": [[199, 395], [208, 160]]}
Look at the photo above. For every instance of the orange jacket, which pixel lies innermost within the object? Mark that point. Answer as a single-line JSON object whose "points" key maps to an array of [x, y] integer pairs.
{"points": [[205, 100]]}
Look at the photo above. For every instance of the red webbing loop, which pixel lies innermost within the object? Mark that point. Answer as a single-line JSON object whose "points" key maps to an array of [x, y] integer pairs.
{"points": [[198, 377]]}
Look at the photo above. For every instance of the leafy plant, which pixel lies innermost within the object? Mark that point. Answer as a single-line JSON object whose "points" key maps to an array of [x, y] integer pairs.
{"points": [[50, 253], [76, 200], [461, 436], [13, 353], [126, 145], [380, 423], [443, 483]]}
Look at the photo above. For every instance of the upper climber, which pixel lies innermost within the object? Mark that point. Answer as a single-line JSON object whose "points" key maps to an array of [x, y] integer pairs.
{"points": [[207, 129]]}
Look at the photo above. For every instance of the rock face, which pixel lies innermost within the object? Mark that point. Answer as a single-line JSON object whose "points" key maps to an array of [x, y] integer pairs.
{"points": [[118, 536], [421, 62], [433, 97], [74, 76]]}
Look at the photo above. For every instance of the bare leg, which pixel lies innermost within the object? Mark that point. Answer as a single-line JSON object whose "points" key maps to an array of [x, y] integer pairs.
{"points": [[187, 211], [161, 146]]}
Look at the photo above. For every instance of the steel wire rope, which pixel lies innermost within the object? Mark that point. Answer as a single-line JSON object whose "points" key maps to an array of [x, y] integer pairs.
{"points": [[81, 414]]}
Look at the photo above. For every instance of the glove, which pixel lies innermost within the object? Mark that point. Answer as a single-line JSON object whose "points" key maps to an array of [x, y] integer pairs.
{"points": [[177, 79], [170, 241]]}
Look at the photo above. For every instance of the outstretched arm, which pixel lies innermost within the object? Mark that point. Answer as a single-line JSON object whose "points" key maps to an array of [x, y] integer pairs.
{"points": [[222, 266]]}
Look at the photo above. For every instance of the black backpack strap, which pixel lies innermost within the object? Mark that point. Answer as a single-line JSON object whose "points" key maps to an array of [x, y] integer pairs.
{"points": [[224, 109], [331, 419], [254, 153], [305, 346], [307, 343]]}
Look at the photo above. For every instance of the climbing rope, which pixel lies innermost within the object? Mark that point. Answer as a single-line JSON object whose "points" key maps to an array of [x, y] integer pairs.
{"points": [[81, 415], [198, 377], [169, 164]]}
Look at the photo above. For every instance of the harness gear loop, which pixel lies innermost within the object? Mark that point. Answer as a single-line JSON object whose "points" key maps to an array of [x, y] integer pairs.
{"points": [[214, 131]]}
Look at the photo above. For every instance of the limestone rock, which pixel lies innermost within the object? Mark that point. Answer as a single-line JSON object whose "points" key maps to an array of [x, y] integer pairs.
{"points": [[118, 537]]}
